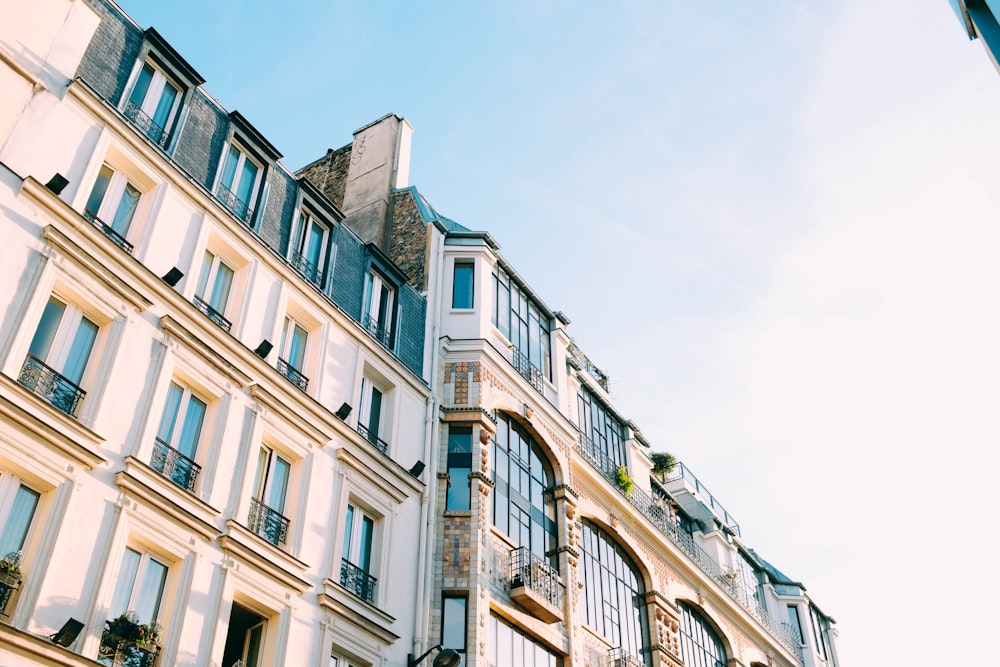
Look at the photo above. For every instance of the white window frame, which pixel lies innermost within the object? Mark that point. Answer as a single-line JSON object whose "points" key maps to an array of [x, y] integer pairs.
{"points": [[112, 199], [287, 337], [10, 485], [138, 582], [61, 345], [208, 278]]}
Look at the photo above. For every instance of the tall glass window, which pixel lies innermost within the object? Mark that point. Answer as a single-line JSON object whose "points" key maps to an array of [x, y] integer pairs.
{"points": [[614, 592], [522, 322], [459, 467], [453, 630], [522, 507], [603, 434], [701, 645]]}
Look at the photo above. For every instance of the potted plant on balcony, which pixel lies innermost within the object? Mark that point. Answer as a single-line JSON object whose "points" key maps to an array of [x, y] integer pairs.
{"points": [[625, 482], [10, 568], [663, 464], [127, 632]]}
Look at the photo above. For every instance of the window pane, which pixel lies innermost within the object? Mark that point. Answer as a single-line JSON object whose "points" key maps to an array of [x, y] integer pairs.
{"points": [[453, 624], [41, 343], [375, 417], [141, 85], [100, 189], [248, 176], [220, 290], [229, 168], [146, 601], [194, 416], [126, 209], [461, 296], [348, 530], [365, 550], [79, 352], [126, 580], [16, 529], [165, 105], [279, 484], [173, 403]]}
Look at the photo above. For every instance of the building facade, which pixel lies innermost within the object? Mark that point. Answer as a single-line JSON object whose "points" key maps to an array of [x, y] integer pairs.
{"points": [[262, 417]]}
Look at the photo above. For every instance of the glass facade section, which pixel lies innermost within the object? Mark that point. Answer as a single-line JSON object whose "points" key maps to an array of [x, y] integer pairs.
{"points": [[522, 322], [522, 508], [701, 645], [509, 646]]}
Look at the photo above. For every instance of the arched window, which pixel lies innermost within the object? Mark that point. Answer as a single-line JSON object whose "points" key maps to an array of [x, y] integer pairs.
{"points": [[522, 507], [614, 592], [701, 645]]}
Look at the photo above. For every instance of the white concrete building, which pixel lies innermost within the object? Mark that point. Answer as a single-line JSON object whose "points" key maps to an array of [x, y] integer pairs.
{"points": [[212, 391]]}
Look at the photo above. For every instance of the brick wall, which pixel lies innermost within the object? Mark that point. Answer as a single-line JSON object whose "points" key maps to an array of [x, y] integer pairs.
{"points": [[408, 239], [329, 173]]}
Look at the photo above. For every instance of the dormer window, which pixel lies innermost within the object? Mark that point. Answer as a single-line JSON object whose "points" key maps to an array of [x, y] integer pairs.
{"points": [[154, 100], [308, 256], [379, 311], [152, 105], [238, 183]]}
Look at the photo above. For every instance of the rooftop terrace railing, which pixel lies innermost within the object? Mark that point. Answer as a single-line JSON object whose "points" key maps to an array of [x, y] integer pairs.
{"points": [[683, 472]]}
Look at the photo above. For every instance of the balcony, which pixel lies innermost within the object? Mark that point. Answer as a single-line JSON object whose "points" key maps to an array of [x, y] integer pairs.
{"points": [[308, 270], [234, 204], [146, 125], [267, 523], [379, 331], [293, 374], [212, 313], [372, 437], [44, 381], [115, 237], [357, 581], [683, 479], [175, 466], [618, 657], [534, 585], [655, 508], [528, 370]]}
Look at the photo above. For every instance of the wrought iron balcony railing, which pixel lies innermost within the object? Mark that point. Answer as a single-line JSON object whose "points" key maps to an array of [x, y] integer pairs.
{"points": [[373, 438], [8, 584], [356, 580], [656, 509], [532, 572], [212, 313], [598, 458], [619, 657], [308, 270], [233, 203], [46, 382], [267, 523], [175, 466], [147, 125], [115, 237], [530, 372], [293, 374], [377, 329]]}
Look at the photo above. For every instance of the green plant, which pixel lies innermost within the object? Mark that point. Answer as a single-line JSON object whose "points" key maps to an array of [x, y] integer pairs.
{"points": [[11, 564], [625, 482], [128, 630], [663, 463]]}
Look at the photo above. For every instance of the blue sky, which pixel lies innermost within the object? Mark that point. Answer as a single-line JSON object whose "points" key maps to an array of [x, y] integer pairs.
{"points": [[772, 226]]}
